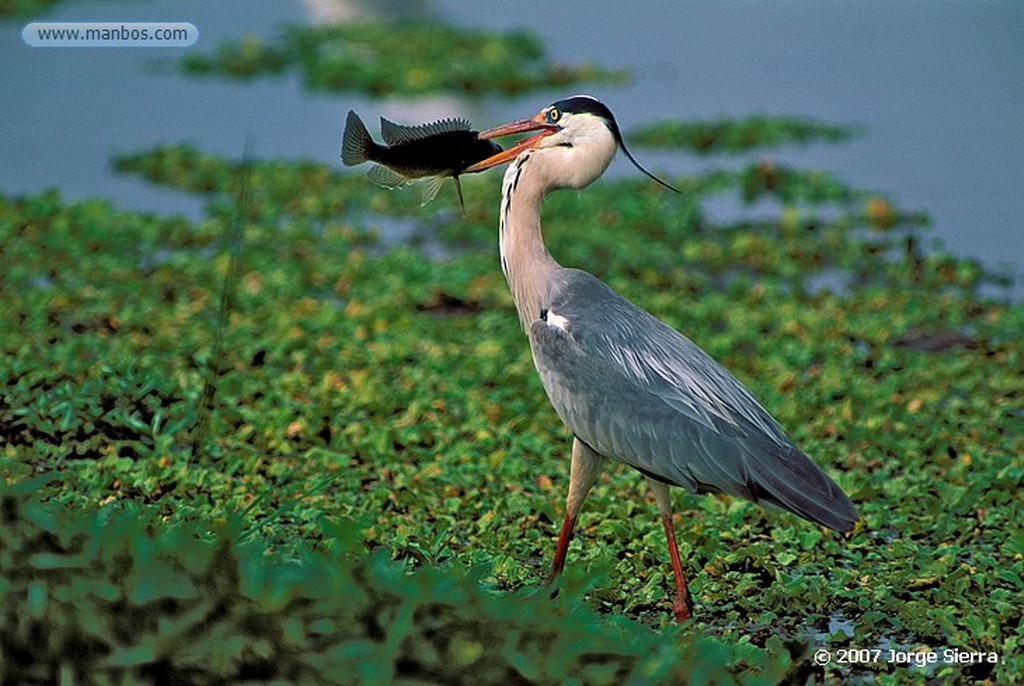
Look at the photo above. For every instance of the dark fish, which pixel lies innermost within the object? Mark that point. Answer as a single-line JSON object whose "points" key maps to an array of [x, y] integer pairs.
{"points": [[428, 151]]}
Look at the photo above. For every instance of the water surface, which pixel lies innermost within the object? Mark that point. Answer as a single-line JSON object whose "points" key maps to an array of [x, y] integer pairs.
{"points": [[939, 88]]}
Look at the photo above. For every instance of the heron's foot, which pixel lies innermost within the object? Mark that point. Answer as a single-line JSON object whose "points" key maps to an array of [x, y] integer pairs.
{"points": [[550, 586], [683, 612], [682, 606]]}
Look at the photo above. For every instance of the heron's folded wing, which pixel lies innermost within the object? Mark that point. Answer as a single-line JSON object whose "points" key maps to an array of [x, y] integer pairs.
{"points": [[636, 390]]}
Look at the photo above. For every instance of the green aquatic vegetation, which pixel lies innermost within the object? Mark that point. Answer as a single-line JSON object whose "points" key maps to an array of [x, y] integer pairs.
{"points": [[22, 8], [106, 597], [388, 58], [374, 398], [731, 136]]}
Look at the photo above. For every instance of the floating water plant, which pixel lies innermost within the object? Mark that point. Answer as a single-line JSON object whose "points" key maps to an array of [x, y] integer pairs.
{"points": [[408, 59]]}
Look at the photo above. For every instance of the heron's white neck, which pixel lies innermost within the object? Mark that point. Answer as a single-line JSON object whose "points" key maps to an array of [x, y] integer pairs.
{"points": [[529, 268]]}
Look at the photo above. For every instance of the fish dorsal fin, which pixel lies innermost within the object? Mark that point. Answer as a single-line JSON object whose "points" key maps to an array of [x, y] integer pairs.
{"points": [[397, 134], [382, 176]]}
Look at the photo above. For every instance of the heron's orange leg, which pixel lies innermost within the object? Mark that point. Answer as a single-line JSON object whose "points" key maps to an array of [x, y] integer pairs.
{"points": [[586, 465], [682, 606], [562, 549]]}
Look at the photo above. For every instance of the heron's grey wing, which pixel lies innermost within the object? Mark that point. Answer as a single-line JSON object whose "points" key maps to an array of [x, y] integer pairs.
{"points": [[636, 390]]}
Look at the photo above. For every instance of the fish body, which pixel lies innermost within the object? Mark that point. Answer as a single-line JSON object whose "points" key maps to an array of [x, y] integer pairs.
{"points": [[432, 152]]}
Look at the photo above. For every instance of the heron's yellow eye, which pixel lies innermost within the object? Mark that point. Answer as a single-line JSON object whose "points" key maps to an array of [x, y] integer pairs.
{"points": [[554, 115]]}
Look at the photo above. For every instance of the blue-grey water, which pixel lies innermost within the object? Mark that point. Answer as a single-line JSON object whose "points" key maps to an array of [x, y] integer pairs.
{"points": [[937, 86]]}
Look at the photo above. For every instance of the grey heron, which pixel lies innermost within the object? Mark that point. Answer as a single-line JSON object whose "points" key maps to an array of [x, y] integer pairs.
{"points": [[628, 386]]}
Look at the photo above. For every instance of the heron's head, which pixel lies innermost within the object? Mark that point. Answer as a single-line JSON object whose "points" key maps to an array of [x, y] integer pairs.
{"points": [[576, 139]]}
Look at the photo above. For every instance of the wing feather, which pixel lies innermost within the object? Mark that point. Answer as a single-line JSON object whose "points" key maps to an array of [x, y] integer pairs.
{"points": [[636, 390]]}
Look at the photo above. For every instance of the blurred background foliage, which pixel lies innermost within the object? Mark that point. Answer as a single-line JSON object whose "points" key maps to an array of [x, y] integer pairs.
{"points": [[105, 598], [406, 59]]}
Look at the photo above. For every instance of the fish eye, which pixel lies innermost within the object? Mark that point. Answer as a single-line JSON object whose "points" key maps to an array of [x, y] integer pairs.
{"points": [[553, 115]]}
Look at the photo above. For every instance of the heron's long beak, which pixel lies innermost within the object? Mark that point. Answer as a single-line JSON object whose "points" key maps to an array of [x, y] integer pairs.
{"points": [[521, 126]]}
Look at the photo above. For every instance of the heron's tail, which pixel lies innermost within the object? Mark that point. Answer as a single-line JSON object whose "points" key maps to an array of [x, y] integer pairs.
{"points": [[356, 143], [794, 483]]}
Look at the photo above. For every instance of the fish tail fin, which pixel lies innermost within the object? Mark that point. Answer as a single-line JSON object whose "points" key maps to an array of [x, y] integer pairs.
{"points": [[356, 143]]}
